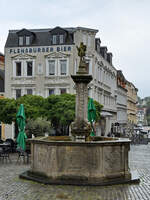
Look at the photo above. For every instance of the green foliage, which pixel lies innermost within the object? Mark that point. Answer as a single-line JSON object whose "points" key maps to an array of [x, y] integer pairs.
{"points": [[33, 106], [98, 107], [37, 127], [7, 110], [59, 109]]}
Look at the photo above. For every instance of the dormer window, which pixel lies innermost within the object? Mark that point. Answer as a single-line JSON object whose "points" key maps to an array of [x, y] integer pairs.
{"points": [[21, 41], [25, 37], [61, 39], [27, 40], [54, 39]]}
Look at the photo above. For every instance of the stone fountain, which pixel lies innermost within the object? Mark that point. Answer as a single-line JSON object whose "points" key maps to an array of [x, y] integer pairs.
{"points": [[75, 160]]}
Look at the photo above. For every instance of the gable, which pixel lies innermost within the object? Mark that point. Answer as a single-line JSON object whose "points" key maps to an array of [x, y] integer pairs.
{"points": [[57, 55], [22, 56], [24, 32], [58, 30]]}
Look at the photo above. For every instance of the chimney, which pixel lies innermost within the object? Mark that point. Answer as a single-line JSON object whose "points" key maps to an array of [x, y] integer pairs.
{"points": [[109, 57], [103, 52]]}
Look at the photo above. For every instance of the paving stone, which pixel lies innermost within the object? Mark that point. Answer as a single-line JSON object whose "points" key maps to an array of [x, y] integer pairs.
{"points": [[13, 188]]}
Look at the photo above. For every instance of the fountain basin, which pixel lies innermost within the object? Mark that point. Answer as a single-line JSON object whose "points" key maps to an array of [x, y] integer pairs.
{"points": [[58, 160]]}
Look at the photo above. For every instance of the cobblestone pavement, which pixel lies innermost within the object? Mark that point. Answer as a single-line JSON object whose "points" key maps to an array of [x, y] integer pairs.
{"points": [[13, 188]]}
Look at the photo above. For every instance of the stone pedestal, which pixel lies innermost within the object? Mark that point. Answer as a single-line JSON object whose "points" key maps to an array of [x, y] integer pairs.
{"points": [[81, 127]]}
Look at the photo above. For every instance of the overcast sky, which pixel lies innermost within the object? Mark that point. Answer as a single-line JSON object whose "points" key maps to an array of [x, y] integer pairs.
{"points": [[123, 25]]}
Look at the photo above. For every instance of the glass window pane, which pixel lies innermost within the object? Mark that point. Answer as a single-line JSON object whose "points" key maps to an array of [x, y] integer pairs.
{"points": [[61, 39], [51, 67], [63, 91], [18, 68], [51, 91], [18, 93], [29, 91], [54, 39], [29, 68], [27, 40], [20, 41], [63, 67]]}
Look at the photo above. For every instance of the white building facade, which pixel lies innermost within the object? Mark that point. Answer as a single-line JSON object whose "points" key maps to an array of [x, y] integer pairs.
{"points": [[121, 103], [41, 62]]}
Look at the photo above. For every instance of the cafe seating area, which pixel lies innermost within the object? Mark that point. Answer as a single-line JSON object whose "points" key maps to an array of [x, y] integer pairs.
{"points": [[9, 150]]}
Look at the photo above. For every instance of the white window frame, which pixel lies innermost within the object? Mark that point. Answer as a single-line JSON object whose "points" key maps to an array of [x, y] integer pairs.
{"points": [[14, 68], [25, 67], [61, 60], [29, 89], [54, 39], [48, 67], [61, 39], [27, 40], [59, 66], [21, 40]]}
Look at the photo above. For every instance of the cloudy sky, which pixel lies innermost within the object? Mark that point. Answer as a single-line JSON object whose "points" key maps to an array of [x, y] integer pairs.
{"points": [[123, 26]]}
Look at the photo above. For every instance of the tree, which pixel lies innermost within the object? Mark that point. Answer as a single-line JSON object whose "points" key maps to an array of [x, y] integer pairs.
{"points": [[8, 110], [60, 110], [33, 105]]}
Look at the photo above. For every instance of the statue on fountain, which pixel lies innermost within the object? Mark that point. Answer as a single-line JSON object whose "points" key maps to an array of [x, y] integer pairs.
{"points": [[81, 53]]}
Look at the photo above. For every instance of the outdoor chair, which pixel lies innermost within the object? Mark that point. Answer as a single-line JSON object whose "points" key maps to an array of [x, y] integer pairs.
{"points": [[23, 154], [5, 151], [12, 144]]}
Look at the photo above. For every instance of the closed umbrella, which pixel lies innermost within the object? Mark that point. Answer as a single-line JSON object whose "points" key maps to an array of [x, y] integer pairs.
{"points": [[91, 114], [20, 118]]}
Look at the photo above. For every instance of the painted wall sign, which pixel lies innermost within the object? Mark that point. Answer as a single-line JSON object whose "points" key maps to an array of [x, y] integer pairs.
{"points": [[39, 49]]}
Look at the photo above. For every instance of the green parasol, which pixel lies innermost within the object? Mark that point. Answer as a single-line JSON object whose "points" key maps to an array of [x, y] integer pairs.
{"points": [[91, 114], [20, 118]]}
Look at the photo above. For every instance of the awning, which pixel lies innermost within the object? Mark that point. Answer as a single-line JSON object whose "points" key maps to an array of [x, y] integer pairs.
{"points": [[106, 114]]}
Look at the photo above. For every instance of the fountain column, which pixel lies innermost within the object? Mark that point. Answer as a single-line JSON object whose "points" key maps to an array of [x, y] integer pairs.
{"points": [[81, 128]]}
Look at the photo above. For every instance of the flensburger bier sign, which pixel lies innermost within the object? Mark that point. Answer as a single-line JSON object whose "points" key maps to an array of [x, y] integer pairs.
{"points": [[39, 49]]}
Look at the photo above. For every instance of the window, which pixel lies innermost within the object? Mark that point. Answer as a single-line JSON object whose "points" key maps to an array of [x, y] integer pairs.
{"points": [[51, 91], [29, 91], [18, 93], [27, 40], [18, 68], [21, 41], [63, 67], [51, 67], [29, 68], [61, 39], [54, 39], [63, 91]]}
